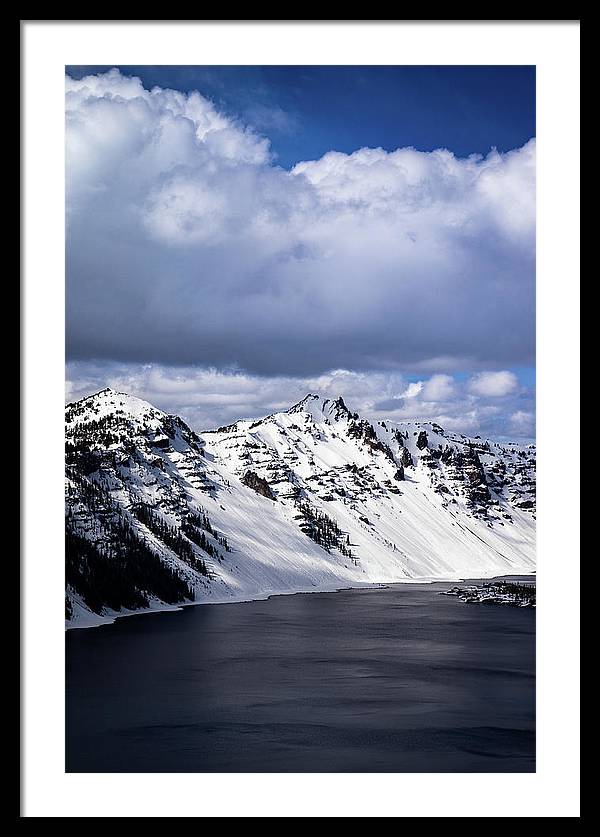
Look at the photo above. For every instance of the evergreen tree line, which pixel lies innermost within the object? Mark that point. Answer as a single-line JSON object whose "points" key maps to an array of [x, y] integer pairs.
{"points": [[121, 572], [324, 531], [92, 494], [86, 461], [521, 592], [107, 430], [199, 538], [119, 569], [202, 521], [173, 538]]}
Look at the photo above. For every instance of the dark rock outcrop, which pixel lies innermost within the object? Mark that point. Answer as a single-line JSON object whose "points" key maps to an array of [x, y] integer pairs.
{"points": [[422, 440], [406, 459], [366, 433], [337, 409], [258, 484]]}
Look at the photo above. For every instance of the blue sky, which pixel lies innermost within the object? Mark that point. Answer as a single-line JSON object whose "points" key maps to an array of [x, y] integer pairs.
{"points": [[254, 232], [307, 111]]}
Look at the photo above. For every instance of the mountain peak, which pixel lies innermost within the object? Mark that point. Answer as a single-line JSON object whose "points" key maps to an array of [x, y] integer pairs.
{"points": [[320, 407], [336, 408], [107, 402], [303, 403], [340, 501]]}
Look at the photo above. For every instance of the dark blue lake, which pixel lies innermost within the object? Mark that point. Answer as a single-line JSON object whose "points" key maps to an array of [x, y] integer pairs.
{"points": [[398, 679]]}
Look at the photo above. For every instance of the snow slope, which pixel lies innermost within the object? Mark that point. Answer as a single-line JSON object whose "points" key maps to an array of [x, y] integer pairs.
{"points": [[309, 499]]}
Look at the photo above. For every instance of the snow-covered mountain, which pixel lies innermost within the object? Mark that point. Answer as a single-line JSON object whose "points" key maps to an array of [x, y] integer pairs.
{"points": [[310, 499]]}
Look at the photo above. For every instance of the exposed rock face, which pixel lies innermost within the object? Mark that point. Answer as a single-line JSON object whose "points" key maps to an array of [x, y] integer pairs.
{"points": [[448, 454], [466, 472], [422, 440], [525, 504], [477, 489], [397, 435], [258, 484], [363, 430], [406, 459], [336, 409], [134, 532], [464, 467], [162, 442], [179, 515]]}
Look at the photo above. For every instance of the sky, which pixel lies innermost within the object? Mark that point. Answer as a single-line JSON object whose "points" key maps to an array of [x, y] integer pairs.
{"points": [[239, 236]]}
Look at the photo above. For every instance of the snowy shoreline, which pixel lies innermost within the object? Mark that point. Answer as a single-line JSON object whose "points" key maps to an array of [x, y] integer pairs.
{"points": [[96, 620], [497, 591], [312, 499]]}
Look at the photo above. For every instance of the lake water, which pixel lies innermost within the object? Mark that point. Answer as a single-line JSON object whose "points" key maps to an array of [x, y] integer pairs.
{"points": [[374, 680]]}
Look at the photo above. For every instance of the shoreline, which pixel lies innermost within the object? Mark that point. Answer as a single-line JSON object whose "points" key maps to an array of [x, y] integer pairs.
{"points": [[97, 621]]}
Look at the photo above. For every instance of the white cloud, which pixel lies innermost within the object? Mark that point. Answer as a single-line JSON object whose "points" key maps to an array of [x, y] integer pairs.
{"points": [[522, 423], [413, 389], [188, 245], [439, 388], [207, 398], [494, 384], [432, 193]]}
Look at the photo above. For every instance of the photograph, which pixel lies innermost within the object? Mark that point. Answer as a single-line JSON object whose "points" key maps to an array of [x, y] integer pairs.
{"points": [[300, 334]]}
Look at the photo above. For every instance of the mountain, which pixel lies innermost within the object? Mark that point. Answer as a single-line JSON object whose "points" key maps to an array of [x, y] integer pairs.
{"points": [[313, 498]]}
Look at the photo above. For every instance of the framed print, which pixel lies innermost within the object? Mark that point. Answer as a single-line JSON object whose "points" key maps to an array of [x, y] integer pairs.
{"points": [[293, 415]]}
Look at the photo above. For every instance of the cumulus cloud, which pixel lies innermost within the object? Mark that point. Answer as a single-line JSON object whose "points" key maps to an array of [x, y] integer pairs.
{"points": [[439, 388], [208, 398], [188, 245], [522, 423], [494, 384]]}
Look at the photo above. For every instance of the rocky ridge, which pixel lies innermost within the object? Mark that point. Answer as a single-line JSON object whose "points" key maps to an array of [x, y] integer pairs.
{"points": [[315, 497]]}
